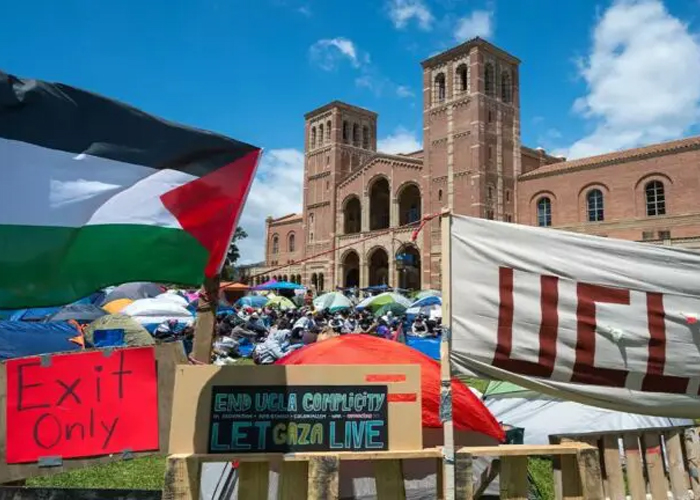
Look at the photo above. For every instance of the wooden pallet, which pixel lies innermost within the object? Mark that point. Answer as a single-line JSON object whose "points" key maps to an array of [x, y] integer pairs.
{"points": [[316, 475], [661, 462]]}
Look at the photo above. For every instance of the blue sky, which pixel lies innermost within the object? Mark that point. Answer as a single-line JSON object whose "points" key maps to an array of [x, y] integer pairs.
{"points": [[595, 76]]}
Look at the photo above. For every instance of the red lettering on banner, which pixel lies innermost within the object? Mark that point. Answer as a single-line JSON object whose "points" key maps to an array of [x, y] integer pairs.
{"points": [[655, 380], [585, 371], [549, 300]]}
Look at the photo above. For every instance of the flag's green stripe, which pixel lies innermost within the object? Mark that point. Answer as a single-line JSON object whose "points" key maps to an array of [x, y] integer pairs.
{"points": [[41, 266]]}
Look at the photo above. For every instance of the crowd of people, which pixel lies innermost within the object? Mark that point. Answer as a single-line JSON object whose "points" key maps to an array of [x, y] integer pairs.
{"points": [[266, 334]]}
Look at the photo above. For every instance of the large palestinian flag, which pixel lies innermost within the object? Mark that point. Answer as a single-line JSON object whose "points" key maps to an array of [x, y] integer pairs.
{"points": [[94, 192]]}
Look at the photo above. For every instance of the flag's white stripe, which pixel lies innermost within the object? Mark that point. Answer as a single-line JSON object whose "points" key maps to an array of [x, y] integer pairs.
{"points": [[47, 187]]}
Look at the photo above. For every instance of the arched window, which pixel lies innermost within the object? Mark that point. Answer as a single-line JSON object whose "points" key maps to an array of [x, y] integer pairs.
{"points": [[275, 244], [346, 131], [439, 194], [489, 193], [365, 137], [544, 212], [321, 135], [506, 87], [320, 282], [489, 80], [314, 280], [291, 244], [594, 205], [462, 80], [440, 88], [355, 135], [313, 137], [328, 130], [655, 198]]}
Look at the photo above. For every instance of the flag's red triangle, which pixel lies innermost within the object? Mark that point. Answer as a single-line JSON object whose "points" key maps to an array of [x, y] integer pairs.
{"points": [[209, 207]]}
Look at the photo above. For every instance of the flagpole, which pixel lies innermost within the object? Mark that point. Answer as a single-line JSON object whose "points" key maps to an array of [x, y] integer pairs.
{"points": [[445, 368], [206, 320]]}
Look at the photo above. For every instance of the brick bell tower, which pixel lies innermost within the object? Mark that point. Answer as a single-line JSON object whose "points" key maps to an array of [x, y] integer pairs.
{"points": [[471, 136], [339, 139]]}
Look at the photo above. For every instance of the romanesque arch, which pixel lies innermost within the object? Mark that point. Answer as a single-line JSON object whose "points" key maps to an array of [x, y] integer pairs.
{"points": [[378, 259], [352, 215], [379, 204], [408, 267], [351, 269], [409, 197]]}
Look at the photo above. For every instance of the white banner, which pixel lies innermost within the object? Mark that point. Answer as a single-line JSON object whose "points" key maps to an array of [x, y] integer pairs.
{"points": [[601, 321]]}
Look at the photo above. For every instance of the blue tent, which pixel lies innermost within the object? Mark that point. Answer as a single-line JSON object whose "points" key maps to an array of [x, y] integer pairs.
{"points": [[280, 285], [82, 313], [19, 339], [430, 300], [254, 301], [35, 314]]}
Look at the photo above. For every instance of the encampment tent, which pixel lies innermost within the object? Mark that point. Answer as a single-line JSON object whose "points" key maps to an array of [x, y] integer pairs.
{"points": [[19, 339]]}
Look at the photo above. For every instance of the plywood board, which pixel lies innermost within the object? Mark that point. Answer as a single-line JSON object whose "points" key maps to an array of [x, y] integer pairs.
{"points": [[194, 386], [167, 357]]}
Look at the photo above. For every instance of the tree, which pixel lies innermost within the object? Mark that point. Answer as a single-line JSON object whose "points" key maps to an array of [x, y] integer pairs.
{"points": [[233, 253]]}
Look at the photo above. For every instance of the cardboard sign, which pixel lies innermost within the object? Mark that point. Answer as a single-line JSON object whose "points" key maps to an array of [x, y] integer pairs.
{"points": [[81, 404], [260, 419], [299, 408]]}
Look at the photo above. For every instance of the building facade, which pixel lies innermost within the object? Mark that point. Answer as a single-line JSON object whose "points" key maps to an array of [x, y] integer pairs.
{"points": [[361, 207]]}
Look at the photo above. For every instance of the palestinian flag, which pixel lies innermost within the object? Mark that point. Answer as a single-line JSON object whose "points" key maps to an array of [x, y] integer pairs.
{"points": [[95, 193]]}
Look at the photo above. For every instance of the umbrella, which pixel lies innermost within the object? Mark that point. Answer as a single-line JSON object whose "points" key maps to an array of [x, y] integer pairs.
{"points": [[134, 334], [382, 299], [395, 309], [134, 291], [429, 300], [281, 302], [469, 412], [255, 301], [234, 287], [428, 311], [82, 313], [427, 293], [279, 285], [176, 298], [332, 301], [116, 306], [263, 285]]}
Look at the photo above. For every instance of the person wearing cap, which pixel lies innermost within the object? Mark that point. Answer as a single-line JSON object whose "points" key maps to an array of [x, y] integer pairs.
{"points": [[304, 323], [336, 323], [419, 328]]}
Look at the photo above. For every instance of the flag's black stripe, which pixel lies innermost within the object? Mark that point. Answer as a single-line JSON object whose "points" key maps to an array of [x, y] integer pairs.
{"points": [[61, 117]]}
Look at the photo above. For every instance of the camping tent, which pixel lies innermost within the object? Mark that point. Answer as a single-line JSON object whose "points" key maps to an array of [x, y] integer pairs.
{"points": [[542, 416], [152, 312], [82, 313], [19, 339]]}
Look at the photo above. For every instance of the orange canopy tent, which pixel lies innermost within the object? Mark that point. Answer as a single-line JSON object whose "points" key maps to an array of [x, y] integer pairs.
{"points": [[234, 287], [469, 413]]}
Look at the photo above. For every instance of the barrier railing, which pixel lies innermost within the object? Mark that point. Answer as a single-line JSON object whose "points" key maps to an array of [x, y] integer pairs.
{"points": [[316, 475], [659, 463]]}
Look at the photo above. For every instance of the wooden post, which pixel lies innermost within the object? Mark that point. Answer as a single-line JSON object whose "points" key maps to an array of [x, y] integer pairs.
{"points": [[589, 472], [464, 477], [182, 478], [445, 367], [655, 466], [294, 480], [206, 320], [571, 487], [253, 480], [388, 476], [614, 477], [676, 470], [692, 451], [513, 480], [635, 469], [323, 478]]}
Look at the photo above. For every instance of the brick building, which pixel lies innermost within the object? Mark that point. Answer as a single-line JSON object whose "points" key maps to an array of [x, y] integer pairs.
{"points": [[360, 206]]}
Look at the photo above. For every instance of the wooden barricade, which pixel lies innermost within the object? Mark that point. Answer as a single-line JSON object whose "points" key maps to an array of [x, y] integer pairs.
{"points": [[167, 357], [316, 475], [658, 463]]}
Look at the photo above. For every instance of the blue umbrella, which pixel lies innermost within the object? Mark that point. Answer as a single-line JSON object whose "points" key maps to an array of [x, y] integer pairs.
{"points": [[279, 285], [255, 301], [430, 300]]}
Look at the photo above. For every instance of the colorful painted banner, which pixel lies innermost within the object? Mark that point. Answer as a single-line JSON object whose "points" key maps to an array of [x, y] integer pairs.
{"points": [[259, 419], [81, 405]]}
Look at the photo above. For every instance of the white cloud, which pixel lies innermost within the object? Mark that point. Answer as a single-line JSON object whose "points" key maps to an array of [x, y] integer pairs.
{"points": [[402, 11], [403, 91], [479, 23], [326, 53], [304, 10], [401, 141], [643, 78], [276, 191]]}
